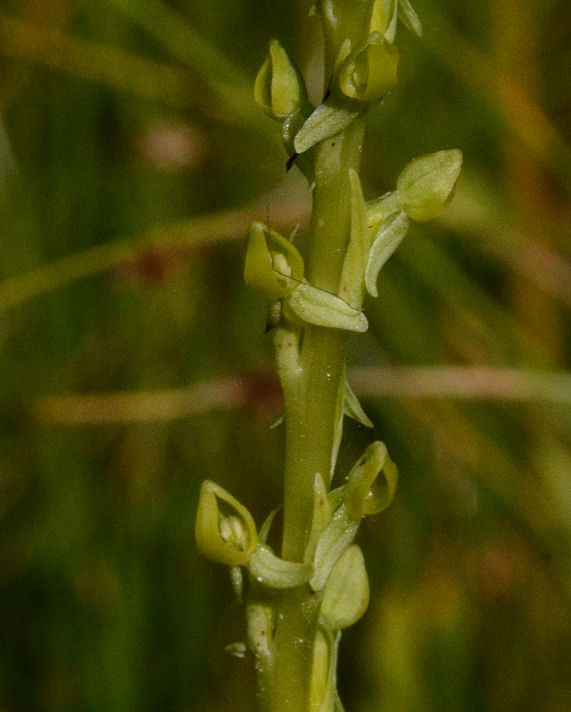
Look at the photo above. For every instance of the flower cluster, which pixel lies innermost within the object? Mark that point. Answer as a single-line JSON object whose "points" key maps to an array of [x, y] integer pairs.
{"points": [[333, 567], [275, 268], [226, 533], [361, 65], [362, 73]]}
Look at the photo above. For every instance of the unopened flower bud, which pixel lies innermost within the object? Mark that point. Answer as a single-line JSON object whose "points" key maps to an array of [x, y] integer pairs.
{"points": [[369, 73], [372, 482], [273, 265], [279, 89], [426, 184]]}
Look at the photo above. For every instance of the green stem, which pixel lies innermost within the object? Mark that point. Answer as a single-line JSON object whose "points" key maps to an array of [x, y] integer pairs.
{"points": [[311, 392], [310, 366], [310, 427]]}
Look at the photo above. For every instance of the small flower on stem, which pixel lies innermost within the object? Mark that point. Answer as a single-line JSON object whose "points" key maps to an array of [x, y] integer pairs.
{"points": [[225, 531]]}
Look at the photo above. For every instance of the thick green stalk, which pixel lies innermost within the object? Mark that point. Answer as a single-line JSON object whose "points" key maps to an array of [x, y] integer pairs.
{"points": [[310, 395], [310, 382]]}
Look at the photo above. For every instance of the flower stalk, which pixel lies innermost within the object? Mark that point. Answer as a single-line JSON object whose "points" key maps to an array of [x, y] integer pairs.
{"points": [[298, 600]]}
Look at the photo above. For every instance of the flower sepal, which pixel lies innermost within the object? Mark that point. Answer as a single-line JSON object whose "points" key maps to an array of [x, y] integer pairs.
{"points": [[273, 266], [225, 531]]}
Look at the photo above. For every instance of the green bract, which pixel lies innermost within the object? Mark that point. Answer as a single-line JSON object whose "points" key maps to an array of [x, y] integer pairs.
{"points": [[225, 531], [337, 424], [388, 237], [346, 595], [279, 89], [327, 120], [353, 408], [320, 519], [352, 286], [371, 483], [346, 404], [336, 537], [425, 185], [323, 687]]}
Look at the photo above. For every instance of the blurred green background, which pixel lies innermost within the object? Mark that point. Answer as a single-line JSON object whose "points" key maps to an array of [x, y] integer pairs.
{"points": [[134, 362]]}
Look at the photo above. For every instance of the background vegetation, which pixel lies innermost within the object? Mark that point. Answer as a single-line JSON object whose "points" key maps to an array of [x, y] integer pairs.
{"points": [[134, 363]]}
